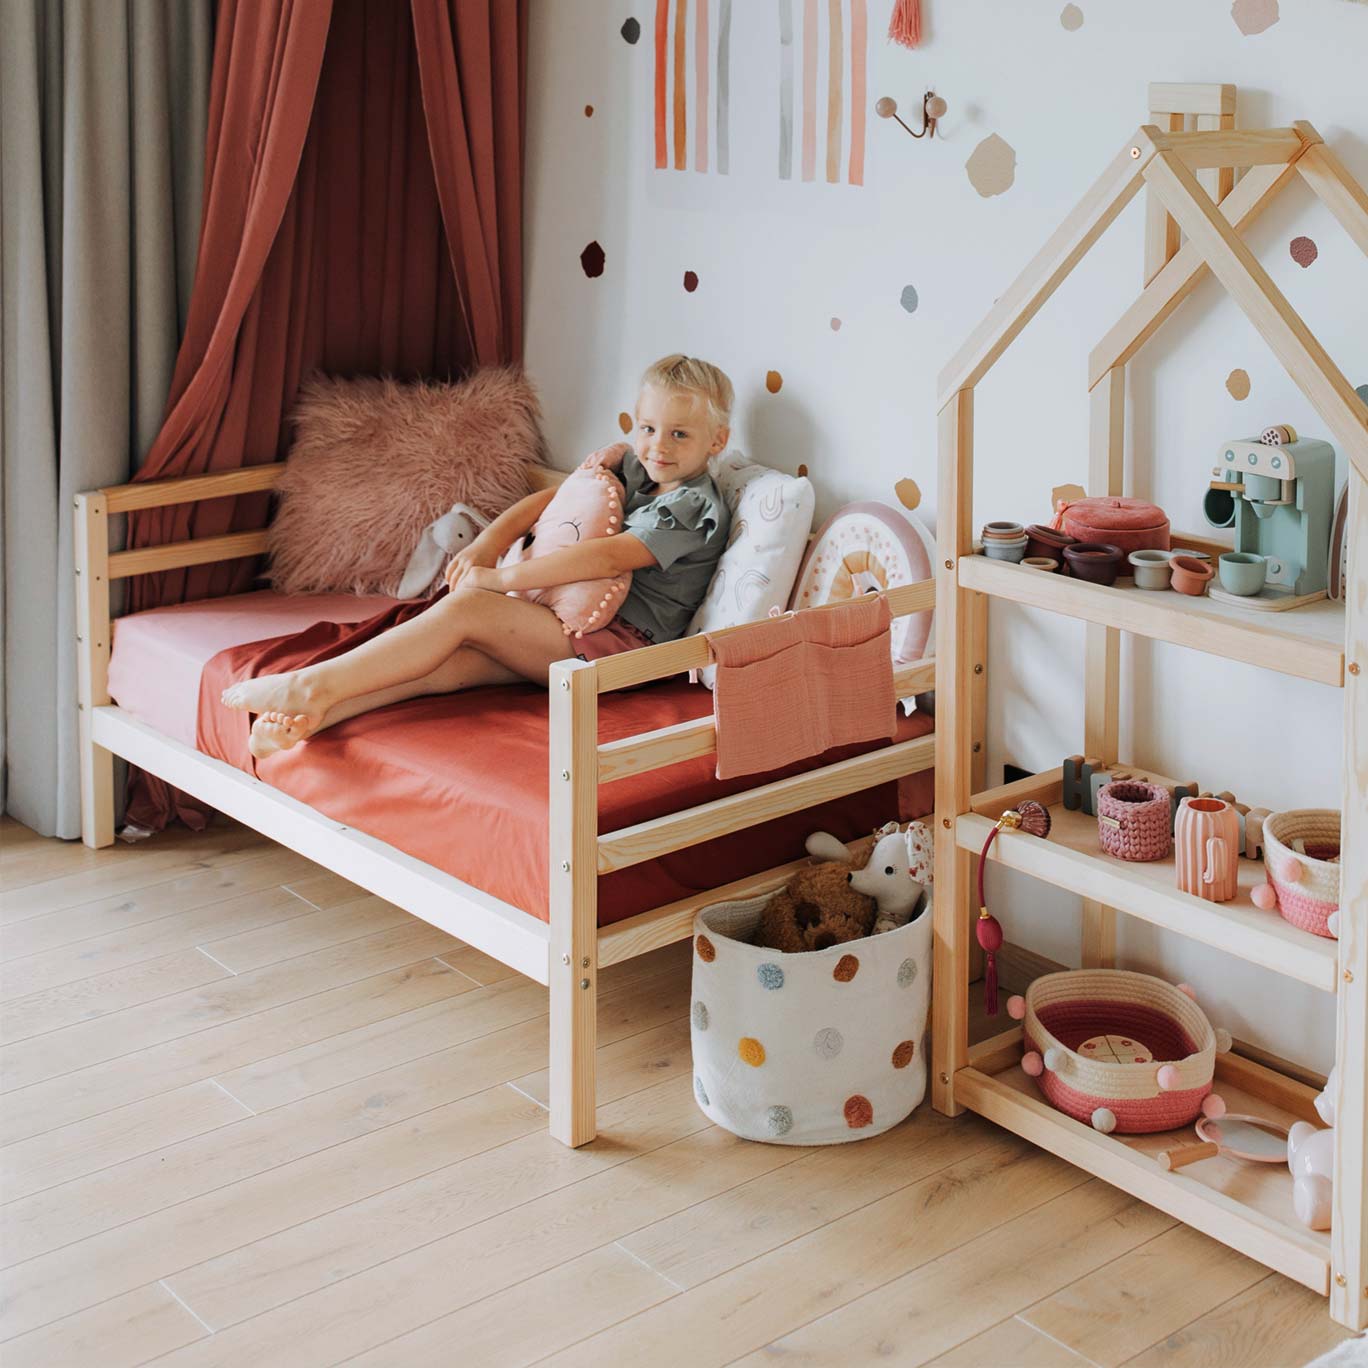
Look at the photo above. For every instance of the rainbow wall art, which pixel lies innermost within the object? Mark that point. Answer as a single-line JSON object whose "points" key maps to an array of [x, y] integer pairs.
{"points": [[822, 46]]}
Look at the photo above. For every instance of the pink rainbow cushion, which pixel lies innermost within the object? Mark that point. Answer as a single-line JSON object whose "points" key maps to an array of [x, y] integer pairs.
{"points": [[588, 504]]}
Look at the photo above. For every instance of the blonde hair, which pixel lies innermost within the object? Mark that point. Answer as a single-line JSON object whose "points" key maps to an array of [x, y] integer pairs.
{"points": [[678, 372]]}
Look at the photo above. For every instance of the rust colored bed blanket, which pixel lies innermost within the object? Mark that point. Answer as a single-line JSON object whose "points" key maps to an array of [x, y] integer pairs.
{"points": [[460, 781]]}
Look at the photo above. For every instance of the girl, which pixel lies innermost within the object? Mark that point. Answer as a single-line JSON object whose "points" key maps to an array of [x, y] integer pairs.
{"points": [[675, 526]]}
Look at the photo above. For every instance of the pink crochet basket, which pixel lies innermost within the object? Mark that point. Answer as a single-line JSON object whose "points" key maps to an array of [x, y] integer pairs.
{"points": [[1134, 820], [1119, 1050], [1301, 856]]}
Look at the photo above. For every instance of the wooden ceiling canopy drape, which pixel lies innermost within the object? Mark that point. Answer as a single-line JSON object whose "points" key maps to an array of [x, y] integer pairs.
{"points": [[362, 215]]}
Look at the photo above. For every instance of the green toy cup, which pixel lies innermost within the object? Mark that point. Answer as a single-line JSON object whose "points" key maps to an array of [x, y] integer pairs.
{"points": [[1243, 573]]}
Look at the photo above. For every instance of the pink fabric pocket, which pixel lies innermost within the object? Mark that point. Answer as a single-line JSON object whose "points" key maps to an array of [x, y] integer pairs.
{"points": [[801, 684]]}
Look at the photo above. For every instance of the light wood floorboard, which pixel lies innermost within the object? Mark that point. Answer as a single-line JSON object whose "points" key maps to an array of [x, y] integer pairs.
{"points": [[255, 1115]]}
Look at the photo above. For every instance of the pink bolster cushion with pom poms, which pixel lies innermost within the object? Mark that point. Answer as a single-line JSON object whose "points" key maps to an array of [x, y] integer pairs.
{"points": [[588, 504]]}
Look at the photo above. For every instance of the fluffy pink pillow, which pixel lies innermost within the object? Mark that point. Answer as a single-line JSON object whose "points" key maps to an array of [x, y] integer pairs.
{"points": [[588, 504], [374, 462]]}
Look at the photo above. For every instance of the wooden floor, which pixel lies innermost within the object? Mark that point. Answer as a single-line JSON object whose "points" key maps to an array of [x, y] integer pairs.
{"points": [[253, 1116]]}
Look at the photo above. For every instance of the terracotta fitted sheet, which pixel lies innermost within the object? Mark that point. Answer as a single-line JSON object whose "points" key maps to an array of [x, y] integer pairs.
{"points": [[460, 781]]}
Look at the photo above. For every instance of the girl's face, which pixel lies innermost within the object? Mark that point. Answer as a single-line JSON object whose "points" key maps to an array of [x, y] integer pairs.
{"points": [[674, 435]]}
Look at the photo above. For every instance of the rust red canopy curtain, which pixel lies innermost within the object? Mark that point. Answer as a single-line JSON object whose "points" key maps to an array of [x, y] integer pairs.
{"points": [[362, 215]]}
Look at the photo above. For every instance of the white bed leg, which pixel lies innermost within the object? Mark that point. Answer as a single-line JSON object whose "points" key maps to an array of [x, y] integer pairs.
{"points": [[574, 899], [91, 545]]}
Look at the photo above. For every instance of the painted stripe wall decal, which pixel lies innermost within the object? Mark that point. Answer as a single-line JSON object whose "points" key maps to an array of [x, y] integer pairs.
{"points": [[859, 29], [701, 61], [809, 89], [835, 74], [724, 19], [662, 30], [681, 43], [785, 89]]}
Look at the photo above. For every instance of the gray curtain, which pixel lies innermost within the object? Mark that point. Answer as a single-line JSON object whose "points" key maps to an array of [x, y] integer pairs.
{"points": [[103, 107]]}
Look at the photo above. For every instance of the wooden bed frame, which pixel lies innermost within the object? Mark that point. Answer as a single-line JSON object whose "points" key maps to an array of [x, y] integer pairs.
{"points": [[564, 953]]}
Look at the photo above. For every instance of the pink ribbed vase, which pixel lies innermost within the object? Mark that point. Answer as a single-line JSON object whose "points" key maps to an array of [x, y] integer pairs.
{"points": [[1206, 841]]}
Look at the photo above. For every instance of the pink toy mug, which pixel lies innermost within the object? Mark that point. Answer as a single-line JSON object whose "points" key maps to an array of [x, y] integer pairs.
{"points": [[1206, 839]]}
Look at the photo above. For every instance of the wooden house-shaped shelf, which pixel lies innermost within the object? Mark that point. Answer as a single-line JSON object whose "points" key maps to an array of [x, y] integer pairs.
{"points": [[1248, 1207]]}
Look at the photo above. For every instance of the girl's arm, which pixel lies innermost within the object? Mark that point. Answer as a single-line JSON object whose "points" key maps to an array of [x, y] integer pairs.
{"points": [[600, 558], [511, 524]]}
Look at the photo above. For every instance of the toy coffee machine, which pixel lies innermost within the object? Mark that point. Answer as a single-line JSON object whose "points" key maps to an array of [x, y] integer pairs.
{"points": [[1279, 494]]}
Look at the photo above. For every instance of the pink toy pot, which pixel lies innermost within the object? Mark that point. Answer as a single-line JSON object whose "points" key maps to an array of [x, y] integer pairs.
{"points": [[1133, 820], [1206, 839], [1131, 524]]}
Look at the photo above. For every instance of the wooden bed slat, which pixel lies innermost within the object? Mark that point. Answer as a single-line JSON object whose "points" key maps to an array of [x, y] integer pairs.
{"points": [[646, 840], [696, 738]]}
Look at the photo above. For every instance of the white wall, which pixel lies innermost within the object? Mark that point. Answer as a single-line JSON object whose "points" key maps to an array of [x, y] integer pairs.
{"points": [[777, 260]]}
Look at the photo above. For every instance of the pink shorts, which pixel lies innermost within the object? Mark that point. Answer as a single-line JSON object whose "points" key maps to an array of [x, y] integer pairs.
{"points": [[611, 640]]}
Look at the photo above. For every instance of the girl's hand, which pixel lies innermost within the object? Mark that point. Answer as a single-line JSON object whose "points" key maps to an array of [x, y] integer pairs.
{"points": [[464, 574], [473, 557], [606, 458]]}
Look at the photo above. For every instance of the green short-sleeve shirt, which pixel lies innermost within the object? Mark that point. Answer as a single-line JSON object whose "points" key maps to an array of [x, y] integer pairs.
{"points": [[686, 531]]}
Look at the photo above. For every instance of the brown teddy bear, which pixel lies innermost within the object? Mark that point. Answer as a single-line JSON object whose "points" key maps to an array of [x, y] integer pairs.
{"points": [[816, 909]]}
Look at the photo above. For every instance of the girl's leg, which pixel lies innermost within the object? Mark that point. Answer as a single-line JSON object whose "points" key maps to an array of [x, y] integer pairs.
{"points": [[467, 669], [523, 636]]}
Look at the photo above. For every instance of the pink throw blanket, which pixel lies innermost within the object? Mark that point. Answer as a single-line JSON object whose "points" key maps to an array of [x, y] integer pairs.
{"points": [[800, 684]]}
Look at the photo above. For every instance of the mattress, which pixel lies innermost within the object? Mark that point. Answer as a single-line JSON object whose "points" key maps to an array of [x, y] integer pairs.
{"points": [[461, 781]]}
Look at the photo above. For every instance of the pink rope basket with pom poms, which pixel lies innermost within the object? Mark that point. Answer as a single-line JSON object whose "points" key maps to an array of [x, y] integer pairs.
{"points": [[1120, 1051], [1304, 884]]}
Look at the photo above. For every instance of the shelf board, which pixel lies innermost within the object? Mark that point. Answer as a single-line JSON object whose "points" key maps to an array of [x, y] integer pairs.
{"points": [[1306, 642], [1246, 1206], [1070, 858]]}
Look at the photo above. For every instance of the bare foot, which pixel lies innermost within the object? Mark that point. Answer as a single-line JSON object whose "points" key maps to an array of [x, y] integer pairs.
{"points": [[277, 731], [289, 693]]}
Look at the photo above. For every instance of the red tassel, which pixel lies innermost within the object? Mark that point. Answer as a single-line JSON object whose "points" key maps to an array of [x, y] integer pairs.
{"points": [[989, 931], [905, 25]]}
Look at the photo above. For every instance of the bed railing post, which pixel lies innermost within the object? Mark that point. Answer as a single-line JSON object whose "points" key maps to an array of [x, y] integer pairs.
{"points": [[573, 971], [91, 545]]}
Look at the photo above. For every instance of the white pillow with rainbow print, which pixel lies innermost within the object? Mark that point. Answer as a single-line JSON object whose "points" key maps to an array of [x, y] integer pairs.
{"points": [[771, 517]]}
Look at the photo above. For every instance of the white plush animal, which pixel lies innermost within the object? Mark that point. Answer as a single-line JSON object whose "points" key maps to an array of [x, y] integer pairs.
{"points": [[457, 527], [896, 875], [1311, 1157]]}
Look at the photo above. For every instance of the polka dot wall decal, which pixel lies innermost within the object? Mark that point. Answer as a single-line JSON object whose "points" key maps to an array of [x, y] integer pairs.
{"points": [[700, 1092], [751, 1051], [774, 382], [859, 1113], [907, 972], [1254, 16], [1071, 17], [631, 29], [592, 260], [779, 1120], [991, 166], [1362, 392], [902, 1055], [908, 298], [588, 111], [700, 1016], [835, 325], [707, 951], [625, 421], [1303, 251], [771, 976], [846, 969], [1237, 382], [828, 1042], [691, 281]]}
